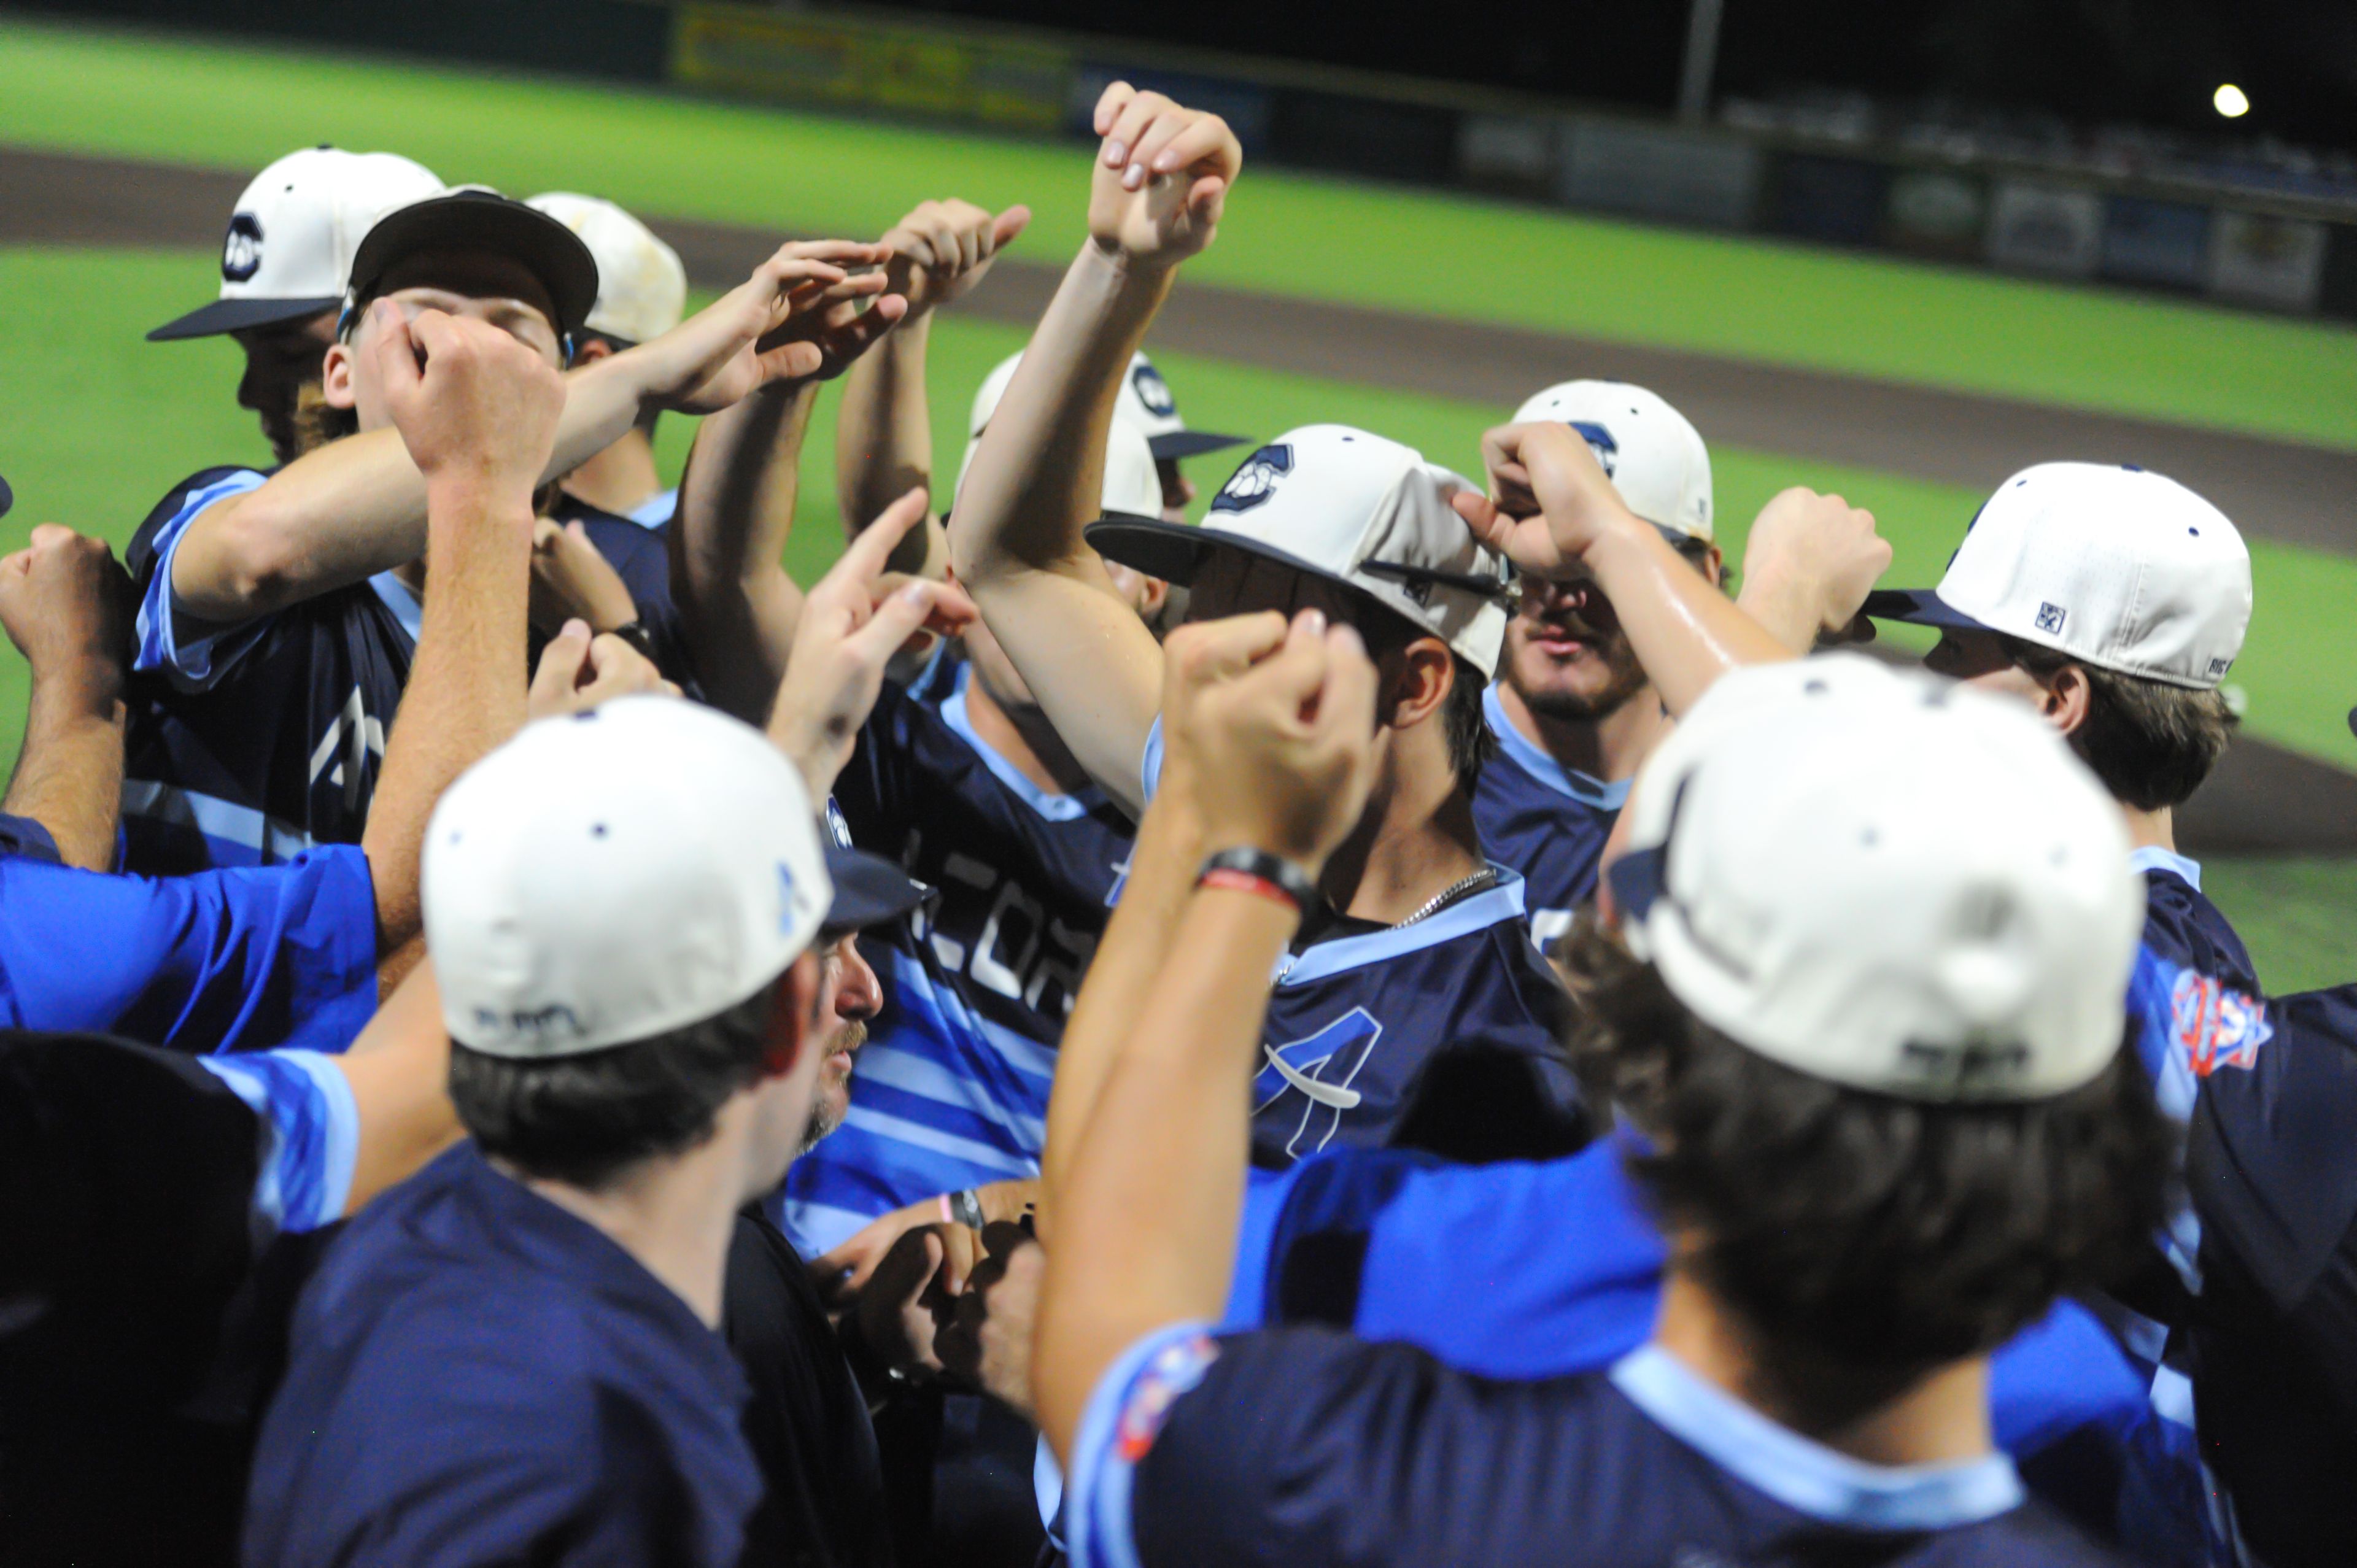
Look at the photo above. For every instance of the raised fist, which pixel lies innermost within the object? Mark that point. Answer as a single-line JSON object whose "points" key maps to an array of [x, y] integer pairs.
{"points": [[471, 402], [944, 248], [1161, 179]]}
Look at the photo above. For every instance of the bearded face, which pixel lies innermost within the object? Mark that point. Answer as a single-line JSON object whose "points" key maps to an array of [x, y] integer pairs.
{"points": [[1565, 654]]}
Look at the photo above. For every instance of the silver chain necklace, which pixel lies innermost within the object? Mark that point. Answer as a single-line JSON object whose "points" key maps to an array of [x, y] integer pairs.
{"points": [[1442, 899]]}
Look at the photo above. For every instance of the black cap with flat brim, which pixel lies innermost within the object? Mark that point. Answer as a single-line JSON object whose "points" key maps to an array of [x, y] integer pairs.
{"points": [[869, 890], [1173, 445], [1919, 606], [485, 223], [1174, 552], [239, 316], [7, 498]]}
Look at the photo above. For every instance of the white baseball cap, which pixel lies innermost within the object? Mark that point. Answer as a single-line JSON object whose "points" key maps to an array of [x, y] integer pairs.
{"points": [[624, 872], [1147, 401], [1891, 880], [2114, 566], [293, 235], [1652, 453], [1133, 488], [641, 283], [1351, 507]]}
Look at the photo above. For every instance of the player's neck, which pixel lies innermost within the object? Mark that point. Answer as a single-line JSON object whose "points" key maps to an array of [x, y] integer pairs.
{"points": [[1939, 1417], [2150, 830], [1608, 748], [676, 1215], [1415, 842], [1030, 744], [620, 478]]}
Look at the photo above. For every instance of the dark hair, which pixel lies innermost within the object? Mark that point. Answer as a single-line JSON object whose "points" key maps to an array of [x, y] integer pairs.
{"points": [[1463, 725], [1883, 1236], [317, 422], [2152, 743], [584, 1120]]}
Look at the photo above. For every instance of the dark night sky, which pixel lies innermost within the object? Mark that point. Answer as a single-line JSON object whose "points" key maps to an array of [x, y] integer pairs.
{"points": [[2152, 62]]}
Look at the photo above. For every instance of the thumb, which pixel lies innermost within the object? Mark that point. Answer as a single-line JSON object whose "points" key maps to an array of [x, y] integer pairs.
{"points": [[1489, 525], [1008, 224], [397, 351], [560, 664]]}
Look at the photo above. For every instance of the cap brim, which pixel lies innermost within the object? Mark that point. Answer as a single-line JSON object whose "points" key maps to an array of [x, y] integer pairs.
{"points": [[1174, 551], [480, 223], [238, 316], [7, 498], [1176, 444], [869, 890], [1920, 607]]}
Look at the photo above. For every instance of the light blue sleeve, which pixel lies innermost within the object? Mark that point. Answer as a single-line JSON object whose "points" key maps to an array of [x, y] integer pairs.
{"points": [[314, 1133], [1124, 1417], [191, 664]]}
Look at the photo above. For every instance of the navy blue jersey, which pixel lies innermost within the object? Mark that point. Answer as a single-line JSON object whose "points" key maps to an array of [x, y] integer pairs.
{"points": [[2273, 1171], [1301, 1446], [234, 959], [640, 559], [248, 745], [951, 1091], [1543, 819], [476, 1376], [2183, 927]]}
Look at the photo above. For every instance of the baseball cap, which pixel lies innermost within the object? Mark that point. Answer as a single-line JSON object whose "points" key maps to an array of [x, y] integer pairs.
{"points": [[1132, 487], [1351, 507], [1877, 877], [624, 872], [2114, 566], [291, 237], [642, 284], [7, 498], [477, 219], [1652, 453]]}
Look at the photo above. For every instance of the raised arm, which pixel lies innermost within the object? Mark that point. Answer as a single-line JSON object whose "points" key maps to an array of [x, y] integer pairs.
{"points": [[737, 608], [357, 506], [1156, 191], [883, 433], [62, 602], [1553, 513], [1147, 1208]]}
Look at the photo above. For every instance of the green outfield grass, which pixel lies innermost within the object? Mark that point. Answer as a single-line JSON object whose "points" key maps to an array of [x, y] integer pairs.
{"points": [[237, 106]]}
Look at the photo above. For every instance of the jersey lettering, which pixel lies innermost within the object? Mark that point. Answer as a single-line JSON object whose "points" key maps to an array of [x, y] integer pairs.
{"points": [[1320, 1068]]}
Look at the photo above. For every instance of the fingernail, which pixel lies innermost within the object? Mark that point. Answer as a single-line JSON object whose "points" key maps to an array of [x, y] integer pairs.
{"points": [[1133, 177], [1165, 161], [1116, 154], [1314, 622], [916, 592]]}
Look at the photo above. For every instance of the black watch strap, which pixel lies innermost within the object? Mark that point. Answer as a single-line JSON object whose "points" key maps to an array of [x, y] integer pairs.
{"points": [[635, 633], [1262, 866]]}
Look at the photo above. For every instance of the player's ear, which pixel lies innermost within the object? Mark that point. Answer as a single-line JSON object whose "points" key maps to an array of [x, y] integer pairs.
{"points": [[336, 377], [1714, 565], [588, 349], [2069, 696], [1418, 681]]}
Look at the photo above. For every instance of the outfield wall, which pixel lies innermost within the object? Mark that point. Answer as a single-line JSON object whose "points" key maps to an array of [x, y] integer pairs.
{"points": [[2268, 252]]}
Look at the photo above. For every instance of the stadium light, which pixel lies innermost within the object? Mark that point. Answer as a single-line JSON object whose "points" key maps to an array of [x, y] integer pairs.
{"points": [[2230, 101]]}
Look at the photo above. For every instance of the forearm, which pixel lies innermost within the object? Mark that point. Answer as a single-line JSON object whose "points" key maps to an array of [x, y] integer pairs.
{"points": [[1686, 633], [737, 608], [399, 1070], [1162, 866], [1783, 610], [68, 774], [1148, 1220], [884, 445], [354, 508], [465, 691]]}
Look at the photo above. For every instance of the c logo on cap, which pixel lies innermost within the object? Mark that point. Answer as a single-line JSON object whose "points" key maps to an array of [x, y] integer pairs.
{"points": [[1599, 440], [241, 248], [1255, 480], [1152, 392]]}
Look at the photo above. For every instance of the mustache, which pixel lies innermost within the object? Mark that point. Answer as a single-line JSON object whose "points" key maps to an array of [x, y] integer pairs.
{"points": [[852, 1035]]}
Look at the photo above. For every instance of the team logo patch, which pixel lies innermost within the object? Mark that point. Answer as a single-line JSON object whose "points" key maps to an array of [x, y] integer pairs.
{"points": [[1169, 1373], [2216, 1025], [241, 248], [2051, 618], [1256, 480], [1320, 1069], [1152, 392], [1599, 440]]}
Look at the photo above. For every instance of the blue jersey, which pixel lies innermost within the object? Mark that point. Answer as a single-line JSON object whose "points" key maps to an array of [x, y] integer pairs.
{"points": [[1301, 1445], [1442, 1034], [221, 961], [249, 744], [640, 557], [951, 1091], [587, 1416], [1544, 819]]}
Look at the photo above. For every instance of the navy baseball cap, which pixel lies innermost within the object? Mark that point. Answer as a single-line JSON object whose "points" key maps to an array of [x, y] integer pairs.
{"points": [[476, 220], [869, 890]]}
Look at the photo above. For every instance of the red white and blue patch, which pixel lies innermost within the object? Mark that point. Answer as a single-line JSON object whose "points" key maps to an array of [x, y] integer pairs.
{"points": [[1168, 1373], [2214, 1026]]}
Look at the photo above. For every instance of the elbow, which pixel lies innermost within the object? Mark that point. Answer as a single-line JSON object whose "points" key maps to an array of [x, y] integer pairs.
{"points": [[251, 565]]}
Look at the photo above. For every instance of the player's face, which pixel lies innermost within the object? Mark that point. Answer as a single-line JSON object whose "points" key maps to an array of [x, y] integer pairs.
{"points": [[280, 362], [1237, 582], [1565, 655], [849, 994], [491, 289], [1177, 489], [1979, 659]]}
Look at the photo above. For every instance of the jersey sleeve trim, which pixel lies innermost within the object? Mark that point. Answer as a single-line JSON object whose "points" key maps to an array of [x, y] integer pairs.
{"points": [[314, 1133], [193, 664], [1125, 1415]]}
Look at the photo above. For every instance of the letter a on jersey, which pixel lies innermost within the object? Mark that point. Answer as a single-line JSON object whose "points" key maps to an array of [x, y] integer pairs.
{"points": [[1320, 1069]]}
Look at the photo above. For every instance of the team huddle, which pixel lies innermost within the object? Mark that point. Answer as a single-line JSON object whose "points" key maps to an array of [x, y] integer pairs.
{"points": [[1423, 1019]]}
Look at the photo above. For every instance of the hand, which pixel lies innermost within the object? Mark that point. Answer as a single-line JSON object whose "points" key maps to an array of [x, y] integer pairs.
{"points": [[988, 1337], [472, 404], [1549, 503], [851, 625], [1283, 755], [1197, 657], [1808, 566], [944, 248], [66, 605], [739, 343], [578, 670], [571, 580], [844, 1274], [912, 1295], [1161, 178]]}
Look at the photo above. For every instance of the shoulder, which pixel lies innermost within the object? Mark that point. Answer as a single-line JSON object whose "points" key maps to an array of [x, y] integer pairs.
{"points": [[2182, 925], [180, 503]]}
